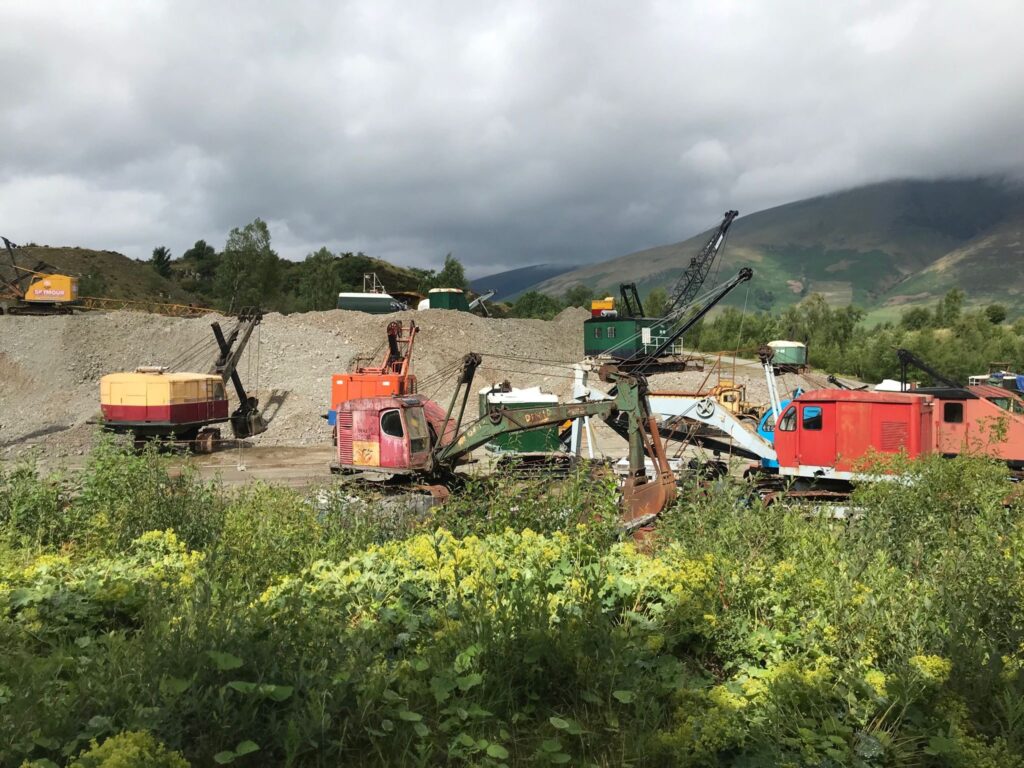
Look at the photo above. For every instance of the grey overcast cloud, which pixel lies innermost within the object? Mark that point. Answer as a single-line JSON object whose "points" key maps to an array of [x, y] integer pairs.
{"points": [[506, 133]]}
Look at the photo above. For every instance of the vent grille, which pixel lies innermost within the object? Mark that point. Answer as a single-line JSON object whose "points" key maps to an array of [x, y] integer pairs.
{"points": [[894, 435], [345, 437]]}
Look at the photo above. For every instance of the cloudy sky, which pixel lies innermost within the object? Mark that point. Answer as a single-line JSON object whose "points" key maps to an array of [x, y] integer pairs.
{"points": [[507, 133]]}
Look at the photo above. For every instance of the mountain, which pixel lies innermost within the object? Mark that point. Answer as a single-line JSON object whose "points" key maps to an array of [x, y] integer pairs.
{"points": [[882, 246], [516, 281]]}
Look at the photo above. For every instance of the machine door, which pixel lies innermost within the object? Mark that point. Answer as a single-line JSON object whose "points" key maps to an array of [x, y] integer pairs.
{"points": [[784, 436], [817, 430], [394, 445], [419, 436]]}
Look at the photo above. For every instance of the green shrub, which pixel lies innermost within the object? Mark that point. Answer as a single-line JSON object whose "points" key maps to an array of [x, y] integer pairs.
{"points": [[132, 749], [124, 494], [33, 512], [328, 628]]}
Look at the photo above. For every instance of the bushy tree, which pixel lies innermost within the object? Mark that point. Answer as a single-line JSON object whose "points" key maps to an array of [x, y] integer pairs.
{"points": [[161, 261], [578, 296], [948, 310], [916, 318], [200, 263], [656, 303], [249, 274], [452, 275], [318, 281], [995, 313], [537, 305]]}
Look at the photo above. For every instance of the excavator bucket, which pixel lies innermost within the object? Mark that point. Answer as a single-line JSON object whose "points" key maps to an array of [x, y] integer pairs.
{"points": [[247, 421], [643, 499]]}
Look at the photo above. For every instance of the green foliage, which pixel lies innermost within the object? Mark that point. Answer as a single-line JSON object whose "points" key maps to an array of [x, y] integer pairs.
{"points": [[250, 272], [511, 626], [318, 283], [93, 284], [452, 275], [536, 305], [916, 318], [123, 495], [838, 341], [578, 296], [132, 749], [656, 303], [948, 310], [197, 268], [996, 313], [161, 261]]}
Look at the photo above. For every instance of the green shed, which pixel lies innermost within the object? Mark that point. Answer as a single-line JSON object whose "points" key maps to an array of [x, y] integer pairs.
{"points": [[788, 353], [448, 298], [624, 337]]}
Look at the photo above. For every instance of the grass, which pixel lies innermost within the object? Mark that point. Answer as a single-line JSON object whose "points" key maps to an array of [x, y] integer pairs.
{"points": [[159, 621]]}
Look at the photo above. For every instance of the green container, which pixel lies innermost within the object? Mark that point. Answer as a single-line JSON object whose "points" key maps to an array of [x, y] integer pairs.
{"points": [[373, 303], [539, 440], [448, 298], [626, 336], [788, 353]]}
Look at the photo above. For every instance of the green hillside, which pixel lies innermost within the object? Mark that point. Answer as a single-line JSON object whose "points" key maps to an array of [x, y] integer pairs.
{"points": [[106, 274], [299, 285], [882, 246]]}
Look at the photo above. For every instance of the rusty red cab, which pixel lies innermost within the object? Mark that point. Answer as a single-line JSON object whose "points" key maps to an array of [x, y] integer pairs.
{"points": [[393, 434], [826, 434], [980, 419]]}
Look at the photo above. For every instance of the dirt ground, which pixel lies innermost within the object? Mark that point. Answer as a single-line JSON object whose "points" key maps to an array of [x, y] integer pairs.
{"points": [[50, 369]]}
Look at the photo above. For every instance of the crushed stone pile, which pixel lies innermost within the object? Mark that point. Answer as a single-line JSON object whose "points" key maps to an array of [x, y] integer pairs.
{"points": [[50, 367]]}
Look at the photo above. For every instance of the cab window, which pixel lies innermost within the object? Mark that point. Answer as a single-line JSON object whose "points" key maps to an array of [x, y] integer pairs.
{"points": [[812, 417], [788, 421], [419, 436], [391, 423], [1001, 402], [597, 332], [953, 413], [218, 391], [1011, 404]]}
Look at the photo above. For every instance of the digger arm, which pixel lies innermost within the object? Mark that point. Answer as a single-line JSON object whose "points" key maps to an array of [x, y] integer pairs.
{"points": [[706, 411], [505, 421], [643, 498]]}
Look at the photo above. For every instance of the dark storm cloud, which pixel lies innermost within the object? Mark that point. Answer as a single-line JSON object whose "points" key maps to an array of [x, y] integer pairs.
{"points": [[507, 133]]}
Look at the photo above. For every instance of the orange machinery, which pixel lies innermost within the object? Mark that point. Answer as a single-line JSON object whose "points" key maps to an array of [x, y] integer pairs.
{"points": [[35, 291], [389, 379]]}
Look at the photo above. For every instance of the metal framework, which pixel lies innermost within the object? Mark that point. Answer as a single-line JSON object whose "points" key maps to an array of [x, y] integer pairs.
{"points": [[690, 282], [155, 307]]}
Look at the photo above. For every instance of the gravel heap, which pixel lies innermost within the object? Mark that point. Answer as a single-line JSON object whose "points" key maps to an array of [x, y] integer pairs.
{"points": [[50, 366]]}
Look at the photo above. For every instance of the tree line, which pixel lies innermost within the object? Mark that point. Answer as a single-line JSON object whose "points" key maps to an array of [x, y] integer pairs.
{"points": [[248, 272], [954, 340], [957, 341]]}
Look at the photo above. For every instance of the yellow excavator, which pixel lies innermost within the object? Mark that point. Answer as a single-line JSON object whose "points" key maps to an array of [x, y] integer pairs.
{"points": [[39, 291], [44, 290]]}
